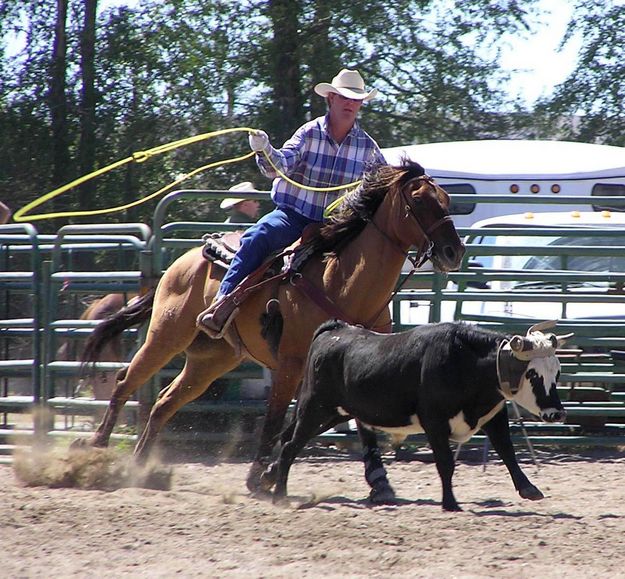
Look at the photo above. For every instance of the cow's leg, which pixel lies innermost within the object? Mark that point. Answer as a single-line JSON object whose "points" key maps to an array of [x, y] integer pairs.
{"points": [[438, 437], [381, 490], [311, 420], [284, 384], [498, 432], [268, 478]]}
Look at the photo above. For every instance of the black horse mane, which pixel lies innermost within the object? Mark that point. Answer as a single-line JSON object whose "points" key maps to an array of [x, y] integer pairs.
{"points": [[360, 204]]}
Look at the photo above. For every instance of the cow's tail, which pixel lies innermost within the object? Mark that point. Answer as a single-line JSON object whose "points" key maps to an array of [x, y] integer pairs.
{"points": [[328, 326], [136, 313]]}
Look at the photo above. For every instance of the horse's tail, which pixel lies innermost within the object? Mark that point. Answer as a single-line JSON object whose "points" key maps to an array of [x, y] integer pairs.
{"points": [[136, 313], [327, 326]]}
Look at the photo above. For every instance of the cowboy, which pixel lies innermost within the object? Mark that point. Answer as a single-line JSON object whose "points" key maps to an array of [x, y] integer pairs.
{"points": [[241, 210], [328, 151]]}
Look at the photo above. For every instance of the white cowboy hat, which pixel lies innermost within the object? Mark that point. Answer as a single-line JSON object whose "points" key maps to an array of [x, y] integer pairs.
{"points": [[347, 83], [244, 187]]}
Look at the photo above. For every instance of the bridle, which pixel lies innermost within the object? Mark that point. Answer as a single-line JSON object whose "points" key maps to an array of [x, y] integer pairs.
{"points": [[425, 251]]}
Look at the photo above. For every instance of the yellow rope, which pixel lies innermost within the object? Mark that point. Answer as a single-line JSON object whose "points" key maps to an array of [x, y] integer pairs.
{"points": [[330, 208], [308, 187], [140, 157]]}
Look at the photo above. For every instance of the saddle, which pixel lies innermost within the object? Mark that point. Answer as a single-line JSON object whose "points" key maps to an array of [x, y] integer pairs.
{"points": [[282, 266], [219, 248]]}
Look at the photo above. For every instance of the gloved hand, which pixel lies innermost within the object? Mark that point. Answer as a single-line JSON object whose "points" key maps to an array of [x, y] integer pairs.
{"points": [[259, 141]]}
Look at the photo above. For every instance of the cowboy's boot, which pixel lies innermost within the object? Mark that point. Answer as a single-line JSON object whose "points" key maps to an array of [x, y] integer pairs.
{"points": [[215, 320]]}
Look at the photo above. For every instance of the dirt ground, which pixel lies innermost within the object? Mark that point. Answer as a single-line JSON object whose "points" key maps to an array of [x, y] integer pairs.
{"points": [[207, 525]]}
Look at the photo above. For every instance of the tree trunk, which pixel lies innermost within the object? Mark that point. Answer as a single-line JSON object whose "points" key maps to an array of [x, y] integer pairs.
{"points": [[325, 64], [288, 113], [58, 103], [86, 151]]}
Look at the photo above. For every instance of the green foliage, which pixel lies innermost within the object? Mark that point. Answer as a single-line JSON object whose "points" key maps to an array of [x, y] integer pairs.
{"points": [[594, 92], [166, 70]]}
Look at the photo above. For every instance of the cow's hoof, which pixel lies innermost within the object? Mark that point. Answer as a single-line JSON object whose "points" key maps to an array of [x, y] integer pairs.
{"points": [[383, 495], [531, 493]]}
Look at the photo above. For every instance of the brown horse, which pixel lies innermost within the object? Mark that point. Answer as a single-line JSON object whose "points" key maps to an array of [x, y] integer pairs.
{"points": [[357, 262]]}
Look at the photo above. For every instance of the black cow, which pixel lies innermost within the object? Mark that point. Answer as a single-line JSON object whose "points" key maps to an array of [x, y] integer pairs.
{"points": [[447, 380]]}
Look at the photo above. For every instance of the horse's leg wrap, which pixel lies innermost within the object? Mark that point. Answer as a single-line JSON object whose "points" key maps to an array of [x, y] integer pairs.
{"points": [[375, 474]]}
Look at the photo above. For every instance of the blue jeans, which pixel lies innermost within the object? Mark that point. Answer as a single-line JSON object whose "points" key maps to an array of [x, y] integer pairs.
{"points": [[274, 231]]}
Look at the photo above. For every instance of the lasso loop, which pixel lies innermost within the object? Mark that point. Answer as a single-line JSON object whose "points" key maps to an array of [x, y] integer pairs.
{"points": [[140, 157]]}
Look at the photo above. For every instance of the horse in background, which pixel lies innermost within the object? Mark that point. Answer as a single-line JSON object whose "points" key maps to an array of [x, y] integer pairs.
{"points": [[101, 382]]}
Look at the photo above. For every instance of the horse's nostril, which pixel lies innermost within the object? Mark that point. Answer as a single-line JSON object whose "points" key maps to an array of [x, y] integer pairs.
{"points": [[450, 253]]}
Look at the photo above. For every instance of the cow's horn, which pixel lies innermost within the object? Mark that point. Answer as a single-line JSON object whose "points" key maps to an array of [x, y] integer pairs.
{"points": [[563, 339], [540, 326]]}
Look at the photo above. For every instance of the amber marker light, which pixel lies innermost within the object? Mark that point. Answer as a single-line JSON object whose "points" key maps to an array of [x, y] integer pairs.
{"points": [[514, 188], [555, 188], [535, 188]]}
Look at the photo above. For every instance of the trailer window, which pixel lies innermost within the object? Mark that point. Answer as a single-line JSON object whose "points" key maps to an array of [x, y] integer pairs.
{"points": [[608, 190], [458, 207]]}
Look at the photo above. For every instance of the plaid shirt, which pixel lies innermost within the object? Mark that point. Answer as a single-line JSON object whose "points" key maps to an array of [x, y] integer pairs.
{"points": [[312, 158]]}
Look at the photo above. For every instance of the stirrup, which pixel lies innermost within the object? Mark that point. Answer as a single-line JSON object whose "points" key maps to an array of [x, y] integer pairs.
{"points": [[217, 334]]}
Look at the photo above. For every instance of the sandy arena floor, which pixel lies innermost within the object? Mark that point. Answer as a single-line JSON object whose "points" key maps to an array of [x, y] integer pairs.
{"points": [[207, 525]]}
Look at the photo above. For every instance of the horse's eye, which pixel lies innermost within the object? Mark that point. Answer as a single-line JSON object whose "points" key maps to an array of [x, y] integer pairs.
{"points": [[417, 200]]}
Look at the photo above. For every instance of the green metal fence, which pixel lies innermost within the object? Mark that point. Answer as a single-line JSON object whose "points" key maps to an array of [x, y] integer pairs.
{"points": [[42, 278]]}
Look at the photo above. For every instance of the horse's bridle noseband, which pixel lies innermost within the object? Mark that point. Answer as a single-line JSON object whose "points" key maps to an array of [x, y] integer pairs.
{"points": [[425, 252]]}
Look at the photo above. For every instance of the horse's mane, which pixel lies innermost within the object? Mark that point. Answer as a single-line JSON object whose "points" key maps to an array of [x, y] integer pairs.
{"points": [[360, 204]]}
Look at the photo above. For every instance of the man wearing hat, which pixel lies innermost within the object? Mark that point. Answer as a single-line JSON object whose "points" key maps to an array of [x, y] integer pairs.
{"points": [[325, 152], [241, 210]]}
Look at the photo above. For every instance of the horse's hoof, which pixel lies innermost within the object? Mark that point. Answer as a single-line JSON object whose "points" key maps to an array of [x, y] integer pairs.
{"points": [[452, 508], [85, 444], [253, 478], [80, 444], [532, 493], [261, 495], [268, 478], [280, 500], [383, 495]]}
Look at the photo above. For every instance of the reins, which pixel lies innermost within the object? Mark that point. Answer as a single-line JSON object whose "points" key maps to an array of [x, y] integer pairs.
{"points": [[319, 297], [424, 254]]}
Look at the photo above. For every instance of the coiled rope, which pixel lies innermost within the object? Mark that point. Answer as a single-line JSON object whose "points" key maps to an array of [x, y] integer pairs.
{"points": [[23, 215]]}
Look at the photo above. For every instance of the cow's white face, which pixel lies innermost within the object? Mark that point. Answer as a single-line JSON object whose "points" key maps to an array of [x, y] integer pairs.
{"points": [[538, 392]]}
